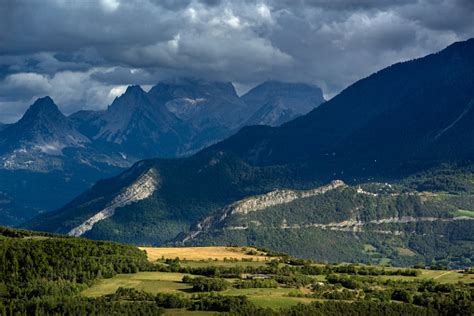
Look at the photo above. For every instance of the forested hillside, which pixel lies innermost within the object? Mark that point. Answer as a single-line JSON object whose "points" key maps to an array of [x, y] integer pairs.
{"points": [[45, 274], [384, 128], [372, 223]]}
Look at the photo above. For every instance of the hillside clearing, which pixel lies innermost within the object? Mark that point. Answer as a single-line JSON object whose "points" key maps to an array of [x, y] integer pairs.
{"points": [[151, 282]]}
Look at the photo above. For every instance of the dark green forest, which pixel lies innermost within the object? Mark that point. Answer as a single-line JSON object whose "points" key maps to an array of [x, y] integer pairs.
{"points": [[424, 219], [43, 274]]}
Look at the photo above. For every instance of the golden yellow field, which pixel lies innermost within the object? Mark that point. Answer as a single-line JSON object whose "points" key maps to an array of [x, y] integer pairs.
{"points": [[203, 253]]}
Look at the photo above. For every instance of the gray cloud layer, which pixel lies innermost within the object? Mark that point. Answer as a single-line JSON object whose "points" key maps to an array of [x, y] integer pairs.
{"points": [[83, 53]]}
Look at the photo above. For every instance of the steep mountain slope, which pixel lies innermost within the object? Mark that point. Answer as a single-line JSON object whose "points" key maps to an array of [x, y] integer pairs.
{"points": [[175, 118], [279, 102], [212, 110], [44, 129], [338, 222], [203, 103], [81, 120], [349, 137], [405, 115], [45, 161], [139, 128], [44, 140], [181, 195]]}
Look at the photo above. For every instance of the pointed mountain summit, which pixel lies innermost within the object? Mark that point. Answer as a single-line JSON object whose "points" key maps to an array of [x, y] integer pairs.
{"points": [[42, 127], [45, 161], [139, 126], [278, 102], [115, 121], [45, 108]]}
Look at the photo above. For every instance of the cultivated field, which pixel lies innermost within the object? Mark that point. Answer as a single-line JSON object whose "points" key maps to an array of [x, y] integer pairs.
{"points": [[281, 296], [152, 282], [204, 253], [168, 282]]}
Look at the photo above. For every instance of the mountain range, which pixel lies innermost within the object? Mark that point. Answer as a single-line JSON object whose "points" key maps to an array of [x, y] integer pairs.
{"points": [[46, 149], [405, 120]]}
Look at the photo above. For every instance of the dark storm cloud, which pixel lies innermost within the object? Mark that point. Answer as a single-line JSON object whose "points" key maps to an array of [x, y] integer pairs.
{"points": [[84, 53], [121, 76], [348, 5]]}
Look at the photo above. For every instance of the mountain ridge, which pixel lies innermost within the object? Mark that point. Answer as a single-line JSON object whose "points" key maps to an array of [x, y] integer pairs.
{"points": [[365, 104], [89, 145], [302, 154]]}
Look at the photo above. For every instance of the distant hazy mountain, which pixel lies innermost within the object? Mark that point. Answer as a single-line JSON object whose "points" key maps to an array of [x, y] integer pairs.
{"points": [[181, 116], [140, 128], [45, 160], [67, 154], [202, 103], [406, 118], [279, 102], [210, 110], [42, 128]]}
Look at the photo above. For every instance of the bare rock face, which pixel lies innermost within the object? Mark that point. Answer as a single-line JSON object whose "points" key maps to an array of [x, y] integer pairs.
{"points": [[277, 197], [139, 190], [258, 203], [222, 219]]}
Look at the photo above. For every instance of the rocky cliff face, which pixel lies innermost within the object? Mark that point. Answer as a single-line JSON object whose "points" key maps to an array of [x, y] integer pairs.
{"points": [[367, 222], [257, 203], [141, 189], [224, 217]]}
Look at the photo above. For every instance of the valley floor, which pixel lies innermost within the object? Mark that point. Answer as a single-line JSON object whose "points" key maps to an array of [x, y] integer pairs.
{"points": [[281, 296]]}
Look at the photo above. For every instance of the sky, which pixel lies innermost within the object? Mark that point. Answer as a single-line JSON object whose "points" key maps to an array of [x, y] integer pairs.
{"points": [[84, 53]]}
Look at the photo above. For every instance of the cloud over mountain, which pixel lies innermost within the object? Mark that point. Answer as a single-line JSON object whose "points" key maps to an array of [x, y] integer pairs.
{"points": [[83, 52]]}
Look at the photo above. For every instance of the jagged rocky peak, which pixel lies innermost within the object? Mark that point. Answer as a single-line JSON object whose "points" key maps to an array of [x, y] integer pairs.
{"points": [[118, 115], [134, 90], [133, 97], [43, 127], [138, 124], [43, 116], [43, 108]]}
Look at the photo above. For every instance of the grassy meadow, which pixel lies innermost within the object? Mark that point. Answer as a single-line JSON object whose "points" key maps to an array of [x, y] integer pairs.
{"points": [[281, 296]]}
